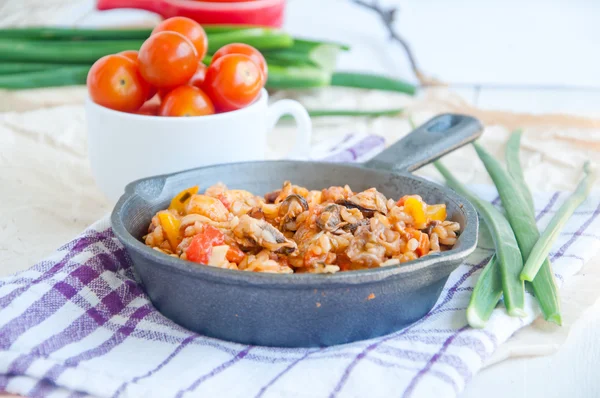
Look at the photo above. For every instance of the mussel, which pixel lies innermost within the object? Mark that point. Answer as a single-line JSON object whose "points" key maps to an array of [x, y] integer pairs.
{"points": [[330, 219], [289, 209], [351, 228], [368, 202], [338, 219], [359, 252], [272, 196], [251, 232]]}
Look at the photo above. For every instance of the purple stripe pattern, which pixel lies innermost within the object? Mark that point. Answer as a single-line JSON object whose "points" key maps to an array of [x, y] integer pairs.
{"points": [[79, 322]]}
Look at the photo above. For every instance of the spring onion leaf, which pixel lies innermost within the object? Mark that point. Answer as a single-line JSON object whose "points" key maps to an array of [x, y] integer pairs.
{"points": [[522, 221], [485, 296], [508, 255], [513, 165], [544, 244]]}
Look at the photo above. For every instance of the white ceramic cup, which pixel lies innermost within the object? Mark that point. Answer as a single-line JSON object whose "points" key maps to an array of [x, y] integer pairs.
{"points": [[124, 147]]}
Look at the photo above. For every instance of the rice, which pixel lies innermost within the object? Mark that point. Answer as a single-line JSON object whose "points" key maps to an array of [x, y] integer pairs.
{"points": [[294, 230]]}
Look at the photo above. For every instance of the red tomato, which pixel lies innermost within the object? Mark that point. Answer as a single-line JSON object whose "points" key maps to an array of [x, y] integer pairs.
{"points": [[200, 247], [186, 101], [235, 254], [114, 82], [167, 59], [162, 92], [149, 110], [196, 81], [131, 54], [241, 48], [152, 92], [233, 82], [423, 247], [199, 76], [189, 28]]}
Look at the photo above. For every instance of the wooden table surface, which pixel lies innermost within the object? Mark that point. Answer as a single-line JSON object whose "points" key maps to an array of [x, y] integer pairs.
{"points": [[491, 64]]}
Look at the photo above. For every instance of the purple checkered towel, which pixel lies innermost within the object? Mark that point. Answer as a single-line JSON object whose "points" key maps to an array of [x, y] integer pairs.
{"points": [[78, 324]]}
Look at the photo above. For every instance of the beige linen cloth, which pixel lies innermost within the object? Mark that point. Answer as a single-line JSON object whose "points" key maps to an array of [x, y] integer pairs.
{"points": [[48, 194]]}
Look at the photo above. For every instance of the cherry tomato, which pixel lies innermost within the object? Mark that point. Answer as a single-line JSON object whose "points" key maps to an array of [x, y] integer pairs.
{"points": [[199, 76], [131, 54], [200, 247], [189, 29], [233, 82], [241, 48], [196, 81], [162, 92], [152, 92], [186, 101], [149, 109], [167, 59], [115, 82]]}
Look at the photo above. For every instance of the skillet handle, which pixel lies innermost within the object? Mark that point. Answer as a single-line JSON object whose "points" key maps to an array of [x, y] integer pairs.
{"points": [[434, 139]]}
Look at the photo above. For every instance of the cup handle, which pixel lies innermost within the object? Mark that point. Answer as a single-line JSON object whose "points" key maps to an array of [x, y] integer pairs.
{"points": [[301, 148]]}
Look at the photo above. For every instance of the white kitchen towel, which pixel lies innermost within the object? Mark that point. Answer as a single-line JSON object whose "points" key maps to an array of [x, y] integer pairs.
{"points": [[78, 324]]}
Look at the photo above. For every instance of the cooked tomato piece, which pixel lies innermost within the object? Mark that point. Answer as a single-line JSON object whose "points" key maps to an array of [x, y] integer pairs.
{"points": [[200, 247], [235, 254], [423, 247]]}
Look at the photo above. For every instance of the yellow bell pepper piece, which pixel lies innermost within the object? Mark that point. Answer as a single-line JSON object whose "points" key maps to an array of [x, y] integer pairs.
{"points": [[436, 212], [180, 201], [170, 224], [414, 207]]}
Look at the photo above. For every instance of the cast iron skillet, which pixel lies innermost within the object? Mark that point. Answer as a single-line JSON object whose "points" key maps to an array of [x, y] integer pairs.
{"points": [[302, 310]]}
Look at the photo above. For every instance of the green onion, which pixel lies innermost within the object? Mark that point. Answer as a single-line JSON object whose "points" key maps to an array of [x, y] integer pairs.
{"points": [[62, 52], [218, 28], [64, 76], [46, 33], [349, 113], [87, 52], [306, 43], [542, 247], [513, 165], [522, 221], [296, 77], [321, 55], [543, 286], [508, 255], [283, 58], [486, 294], [7, 68], [370, 81], [352, 112], [260, 38]]}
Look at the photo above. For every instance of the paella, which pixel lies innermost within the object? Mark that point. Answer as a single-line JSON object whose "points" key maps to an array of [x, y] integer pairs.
{"points": [[297, 230]]}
